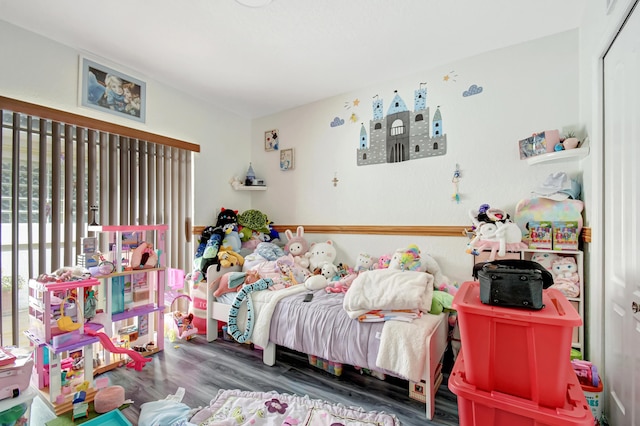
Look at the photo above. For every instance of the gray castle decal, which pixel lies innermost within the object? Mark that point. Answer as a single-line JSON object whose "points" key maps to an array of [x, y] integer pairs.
{"points": [[402, 135]]}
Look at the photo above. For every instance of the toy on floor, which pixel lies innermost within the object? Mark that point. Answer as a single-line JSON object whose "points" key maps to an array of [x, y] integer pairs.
{"points": [[181, 323]]}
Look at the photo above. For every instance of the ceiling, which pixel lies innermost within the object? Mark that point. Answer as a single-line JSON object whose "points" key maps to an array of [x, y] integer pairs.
{"points": [[259, 61]]}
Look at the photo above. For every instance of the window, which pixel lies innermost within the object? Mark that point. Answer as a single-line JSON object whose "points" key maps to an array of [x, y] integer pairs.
{"points": [[56, 165], [397, 128]]}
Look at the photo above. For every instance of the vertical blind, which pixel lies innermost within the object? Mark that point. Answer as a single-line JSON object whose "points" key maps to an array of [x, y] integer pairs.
{"points": [[56, 166]]}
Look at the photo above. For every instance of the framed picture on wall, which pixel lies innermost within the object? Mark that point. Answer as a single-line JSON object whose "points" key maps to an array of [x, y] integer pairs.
{"points": [[271, 140], [286, 159], [111, 91]]}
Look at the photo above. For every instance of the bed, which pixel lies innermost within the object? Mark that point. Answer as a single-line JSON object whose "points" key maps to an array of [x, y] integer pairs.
{"points": [[318, 327]]}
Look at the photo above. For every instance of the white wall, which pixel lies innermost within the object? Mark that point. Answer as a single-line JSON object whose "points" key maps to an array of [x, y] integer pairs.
{"points": [[40, 71], [526, 88]]}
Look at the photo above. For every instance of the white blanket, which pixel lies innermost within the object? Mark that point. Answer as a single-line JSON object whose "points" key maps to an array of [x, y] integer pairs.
{"points": [[264, 302], [404, 346], [389, 289]]}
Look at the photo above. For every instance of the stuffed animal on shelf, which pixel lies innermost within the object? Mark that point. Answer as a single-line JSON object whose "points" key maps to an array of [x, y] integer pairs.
{"points": [[495, 231], [298, 246], [545, 259], [565, 276], [407, 259], [320, 253], [364, 262]]}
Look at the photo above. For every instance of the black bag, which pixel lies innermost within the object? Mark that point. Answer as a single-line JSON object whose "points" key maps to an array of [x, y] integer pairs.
{"points": [[513, 283]]}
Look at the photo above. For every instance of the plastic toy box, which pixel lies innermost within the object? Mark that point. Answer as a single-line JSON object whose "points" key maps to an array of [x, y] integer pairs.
{"points": [[15, 377], [519, 352], [112, 418], [334, 368], [480, 408]]}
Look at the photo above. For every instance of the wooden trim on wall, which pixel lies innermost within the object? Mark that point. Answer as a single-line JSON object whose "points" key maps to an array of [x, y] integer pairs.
{"points": [[424, 231], [434, 231], [91, 123]]}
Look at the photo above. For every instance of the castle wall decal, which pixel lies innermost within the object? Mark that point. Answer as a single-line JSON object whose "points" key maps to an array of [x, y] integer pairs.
{"points": [[401, 135]]}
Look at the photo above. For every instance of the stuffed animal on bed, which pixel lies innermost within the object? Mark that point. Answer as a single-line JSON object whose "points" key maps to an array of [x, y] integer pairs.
{"points": [[383, 262], [233, 281], [364, 262], [320, 253], [228, 258], [407, 259], [298, 246], [231, 237]]}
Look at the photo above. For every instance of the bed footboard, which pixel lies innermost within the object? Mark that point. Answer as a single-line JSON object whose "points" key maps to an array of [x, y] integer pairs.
{"points": [[216, 311], [437, 343]]}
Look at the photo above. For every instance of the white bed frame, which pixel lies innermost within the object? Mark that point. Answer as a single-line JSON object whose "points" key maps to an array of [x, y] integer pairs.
{"points": [[436, 341]]}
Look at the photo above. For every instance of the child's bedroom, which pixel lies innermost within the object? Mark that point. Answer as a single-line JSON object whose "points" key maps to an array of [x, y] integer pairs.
{"points": [[281, 212]]}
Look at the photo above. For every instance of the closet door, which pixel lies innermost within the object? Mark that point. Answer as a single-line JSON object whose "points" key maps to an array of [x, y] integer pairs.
{"points": [[622, 225]]}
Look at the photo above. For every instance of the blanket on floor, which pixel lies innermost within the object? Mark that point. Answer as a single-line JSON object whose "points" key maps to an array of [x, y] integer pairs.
{"points": [[235, 408]]}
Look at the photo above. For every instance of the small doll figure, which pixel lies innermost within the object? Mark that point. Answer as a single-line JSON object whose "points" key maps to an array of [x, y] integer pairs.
{"points": [[186, 324]]}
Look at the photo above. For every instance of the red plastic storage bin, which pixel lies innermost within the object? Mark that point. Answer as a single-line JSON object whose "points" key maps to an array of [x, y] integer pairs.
{"points": [[481, 408], [519, 352]]}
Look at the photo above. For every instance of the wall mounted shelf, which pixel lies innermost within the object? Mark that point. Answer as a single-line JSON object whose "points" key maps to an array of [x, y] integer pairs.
{"points": [[250, 188], [569, 154]]}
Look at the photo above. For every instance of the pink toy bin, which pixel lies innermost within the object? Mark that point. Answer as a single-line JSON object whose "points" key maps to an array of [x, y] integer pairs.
{"points": [[477, 407], [519, 352]]}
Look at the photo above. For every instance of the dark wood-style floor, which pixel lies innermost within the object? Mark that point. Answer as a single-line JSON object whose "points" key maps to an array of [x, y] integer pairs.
{"points": [[203, 368]]}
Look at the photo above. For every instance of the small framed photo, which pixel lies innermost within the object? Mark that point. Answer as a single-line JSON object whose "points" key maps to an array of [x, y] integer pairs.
{"points": [[271, 140], [533, 145], [111, 91], [286, 159]]}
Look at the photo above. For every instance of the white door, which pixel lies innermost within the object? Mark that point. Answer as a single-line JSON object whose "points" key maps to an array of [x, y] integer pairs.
{"points": [[622, 225]]}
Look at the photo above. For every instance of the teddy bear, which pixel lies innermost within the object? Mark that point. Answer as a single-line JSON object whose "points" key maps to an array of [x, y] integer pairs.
{"points": [[565, 276], [364, 262], [320, 253], [298, 246]]}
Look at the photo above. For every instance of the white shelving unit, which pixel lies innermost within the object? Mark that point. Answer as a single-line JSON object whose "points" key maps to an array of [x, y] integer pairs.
{"points": [[577, 302], [149, 308], [251, 188]]}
